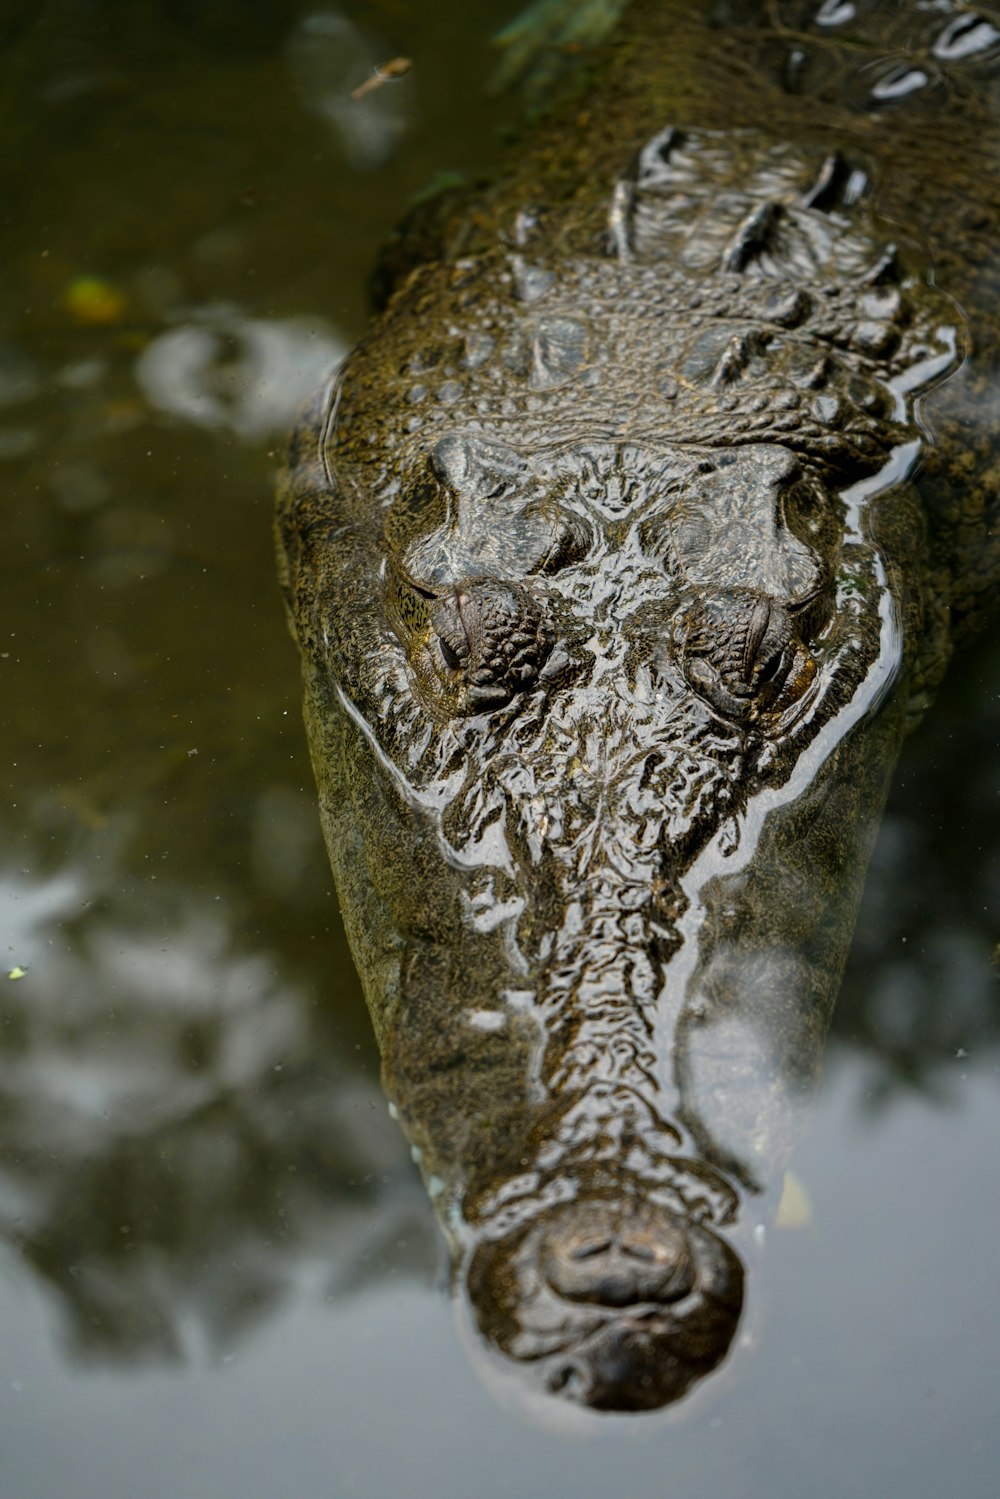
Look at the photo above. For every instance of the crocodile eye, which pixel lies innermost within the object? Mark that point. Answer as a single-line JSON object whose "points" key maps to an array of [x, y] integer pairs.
{"points": [[452, 621], [471, 646], [767, 632], [787, 685], [766, 653], [449, 655], [741, 655], [771, 667]]}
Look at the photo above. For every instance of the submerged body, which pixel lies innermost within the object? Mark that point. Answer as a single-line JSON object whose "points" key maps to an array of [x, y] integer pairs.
{"points": [[621, 555]]}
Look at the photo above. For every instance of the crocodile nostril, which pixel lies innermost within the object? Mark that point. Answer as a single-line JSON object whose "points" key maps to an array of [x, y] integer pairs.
{"points": [[627, 1265], [586, 1251]]}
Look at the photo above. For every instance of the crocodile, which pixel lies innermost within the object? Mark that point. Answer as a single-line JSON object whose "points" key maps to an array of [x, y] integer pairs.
{"points": [[622, 554]]}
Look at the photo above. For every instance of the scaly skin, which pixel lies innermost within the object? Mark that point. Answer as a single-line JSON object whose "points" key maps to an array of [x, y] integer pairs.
{"points": [[620, 560]]}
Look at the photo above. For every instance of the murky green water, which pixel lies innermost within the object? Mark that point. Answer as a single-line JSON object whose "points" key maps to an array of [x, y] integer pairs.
{"points": [[220, 1276]]}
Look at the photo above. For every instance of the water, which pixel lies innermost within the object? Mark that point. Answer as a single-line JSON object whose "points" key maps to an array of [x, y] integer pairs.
{"points": [[220, 1275]]}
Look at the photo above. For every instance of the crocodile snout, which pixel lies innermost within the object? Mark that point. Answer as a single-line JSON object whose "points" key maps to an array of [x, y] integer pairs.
{"points": [[605, 1256], [613, 1303]]}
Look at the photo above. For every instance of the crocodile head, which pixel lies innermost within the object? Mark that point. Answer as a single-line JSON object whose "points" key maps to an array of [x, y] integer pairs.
{"points": [[615, 652], [598, 578]]}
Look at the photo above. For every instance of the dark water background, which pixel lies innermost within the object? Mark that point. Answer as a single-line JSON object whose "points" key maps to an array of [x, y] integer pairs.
{"points": [[219, 1275]]}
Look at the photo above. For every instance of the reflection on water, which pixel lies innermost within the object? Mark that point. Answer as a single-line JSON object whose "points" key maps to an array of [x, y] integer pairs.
{"points": [[181, 1145], [197, 1172], [921, 992], [223, 370]]}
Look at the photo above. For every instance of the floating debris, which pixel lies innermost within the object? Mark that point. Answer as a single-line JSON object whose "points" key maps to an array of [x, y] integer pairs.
{"points": [[94, 301], [328, 54], [794, 1209], [395, 68], [17, 973]]}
